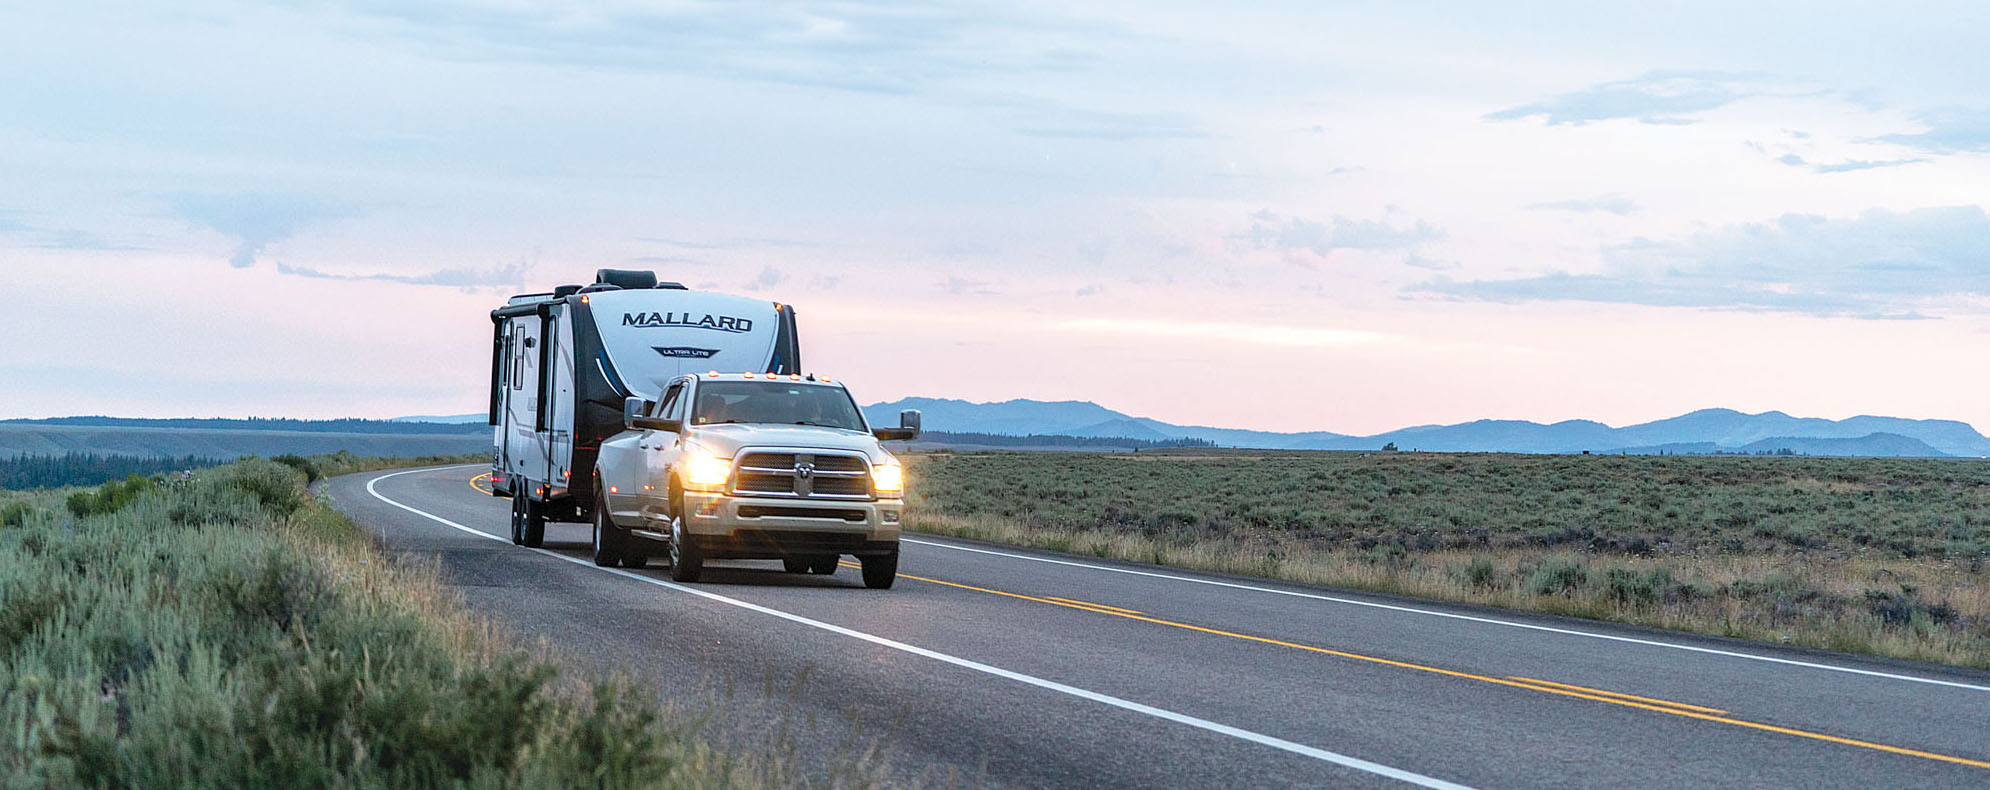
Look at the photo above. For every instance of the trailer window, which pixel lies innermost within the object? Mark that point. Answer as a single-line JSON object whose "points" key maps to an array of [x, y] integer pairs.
{"points": [[775, 402]]}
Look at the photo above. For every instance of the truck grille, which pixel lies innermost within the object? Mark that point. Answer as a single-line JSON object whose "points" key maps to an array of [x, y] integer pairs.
{"points": [[803, 475]]}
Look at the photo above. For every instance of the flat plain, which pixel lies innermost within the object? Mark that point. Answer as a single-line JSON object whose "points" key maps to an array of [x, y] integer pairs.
{"points": [[1879, 556]]}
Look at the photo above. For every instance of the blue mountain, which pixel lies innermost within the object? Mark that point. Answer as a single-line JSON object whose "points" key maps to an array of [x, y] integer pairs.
{"points": [[1706, 430]]}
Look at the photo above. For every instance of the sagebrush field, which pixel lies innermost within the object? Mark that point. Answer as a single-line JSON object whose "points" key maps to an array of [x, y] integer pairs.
{"points": [[1883, 556], [230, 630]]}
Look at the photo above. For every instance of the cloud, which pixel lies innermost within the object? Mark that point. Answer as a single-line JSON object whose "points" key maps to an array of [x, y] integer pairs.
{"points": [[1865, 164], [1609, 204], [1658, 97], [1793, 160], [1271, 231], [1224, 331], [1092, 124], [255, 220], [767, 278], [1950, 130], [871, 47], [961, 286], [1878, 265], [668, 260], [58, 238], [512, 275]]}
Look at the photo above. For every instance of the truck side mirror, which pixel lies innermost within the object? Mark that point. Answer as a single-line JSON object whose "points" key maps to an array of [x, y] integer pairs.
{"points": [[907, 430], [633, 408], [657, 424]]}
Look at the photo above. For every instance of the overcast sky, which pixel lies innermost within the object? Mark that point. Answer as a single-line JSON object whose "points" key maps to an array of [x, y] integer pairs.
{"points": [[1348, 217]]}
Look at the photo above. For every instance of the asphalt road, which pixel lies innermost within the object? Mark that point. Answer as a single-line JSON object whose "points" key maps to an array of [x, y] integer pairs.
{"points": [[1015, 668]]}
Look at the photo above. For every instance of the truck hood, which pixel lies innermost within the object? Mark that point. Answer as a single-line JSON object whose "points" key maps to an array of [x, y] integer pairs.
{"points": [[726, 441]]}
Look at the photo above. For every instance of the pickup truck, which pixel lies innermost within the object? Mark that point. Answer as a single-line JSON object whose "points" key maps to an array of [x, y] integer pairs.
{"points": [[751, 466]]}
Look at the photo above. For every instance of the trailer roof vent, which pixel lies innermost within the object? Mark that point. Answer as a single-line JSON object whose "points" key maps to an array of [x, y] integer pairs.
{"points": [[626, 278], [599, 287], [564, 291], [672, 286]]}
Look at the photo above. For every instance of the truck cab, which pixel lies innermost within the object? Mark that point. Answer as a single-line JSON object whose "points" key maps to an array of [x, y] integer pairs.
{"points": [[751, 466]]}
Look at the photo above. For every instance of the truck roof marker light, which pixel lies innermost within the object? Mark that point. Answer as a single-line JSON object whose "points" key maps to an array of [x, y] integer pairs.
{"points": [[713, 374], [614, 490], [794, 377], [748, 375], [772, 376], [583, 298]]}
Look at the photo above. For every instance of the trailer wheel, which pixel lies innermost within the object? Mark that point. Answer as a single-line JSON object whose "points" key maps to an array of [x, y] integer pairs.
{"points": [[607, 547], [533, 532], [517, 521], [686, 561], [880, 571]]}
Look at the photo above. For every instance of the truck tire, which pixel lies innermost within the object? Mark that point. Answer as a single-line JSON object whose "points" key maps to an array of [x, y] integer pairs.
{"points": [[607, 545], [881, 570], [823, 565], [532, 533], [797, 564], [686, 561]]}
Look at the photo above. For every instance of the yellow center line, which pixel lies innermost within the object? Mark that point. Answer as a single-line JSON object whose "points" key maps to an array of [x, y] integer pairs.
{"points": [[1618, 694], [481, 489], [1626, 700], [1093, 605]]}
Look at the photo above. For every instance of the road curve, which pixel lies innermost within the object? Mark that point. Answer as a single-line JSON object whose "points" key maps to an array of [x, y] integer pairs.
{"points": [[1013, 668]]}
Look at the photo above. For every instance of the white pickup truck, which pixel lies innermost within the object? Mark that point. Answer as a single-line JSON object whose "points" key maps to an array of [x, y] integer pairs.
{"points": [[750, 466]]}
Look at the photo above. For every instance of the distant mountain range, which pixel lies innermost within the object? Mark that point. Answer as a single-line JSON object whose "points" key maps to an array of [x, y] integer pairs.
{"points": [[1704, 431]]}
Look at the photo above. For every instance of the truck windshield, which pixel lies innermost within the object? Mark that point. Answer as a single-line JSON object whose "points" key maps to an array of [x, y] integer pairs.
{"points": [[776, 402]]}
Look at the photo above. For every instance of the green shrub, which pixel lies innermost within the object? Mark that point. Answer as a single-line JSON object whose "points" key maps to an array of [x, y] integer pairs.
{"points": [[109, 497], [1627, 586], [1481, 573], [273, 485], [17, 513], [301, 464], [1558, 576]]}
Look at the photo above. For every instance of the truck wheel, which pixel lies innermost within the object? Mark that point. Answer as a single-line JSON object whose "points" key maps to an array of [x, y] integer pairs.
{"points": [[517, 521], [796, 564], [607, 549], [686, 562], [533, 532], [880, 571], [823, 565]]}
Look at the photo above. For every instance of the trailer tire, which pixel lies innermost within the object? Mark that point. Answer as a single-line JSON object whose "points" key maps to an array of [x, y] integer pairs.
{"points": [[880, 570], [607, 545], [686, 561], [517, 521], [533, 532]]}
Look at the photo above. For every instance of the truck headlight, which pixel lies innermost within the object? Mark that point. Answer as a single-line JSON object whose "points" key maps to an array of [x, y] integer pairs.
{"points": [[703, 469], [888, 479]]}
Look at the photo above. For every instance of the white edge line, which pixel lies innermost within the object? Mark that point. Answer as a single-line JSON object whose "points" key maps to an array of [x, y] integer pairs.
{"points": [[1456, 616], [1105, 699]]}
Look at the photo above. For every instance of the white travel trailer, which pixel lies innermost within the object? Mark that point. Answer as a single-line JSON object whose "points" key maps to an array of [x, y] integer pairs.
{"points": [[563, 364]]}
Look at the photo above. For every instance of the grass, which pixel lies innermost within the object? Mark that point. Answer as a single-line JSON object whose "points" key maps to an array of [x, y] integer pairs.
{"points": [[1878, 556], [230, 630]]}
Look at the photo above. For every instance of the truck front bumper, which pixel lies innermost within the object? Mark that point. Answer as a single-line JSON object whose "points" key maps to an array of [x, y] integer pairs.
{"points": [[728, 527]]}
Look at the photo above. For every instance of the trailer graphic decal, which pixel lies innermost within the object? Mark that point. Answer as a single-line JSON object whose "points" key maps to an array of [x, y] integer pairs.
{"points": [[721, 323], [685, 352]]}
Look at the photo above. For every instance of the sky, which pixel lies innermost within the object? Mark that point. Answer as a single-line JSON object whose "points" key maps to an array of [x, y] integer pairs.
{"points": [[1309, 216]]}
